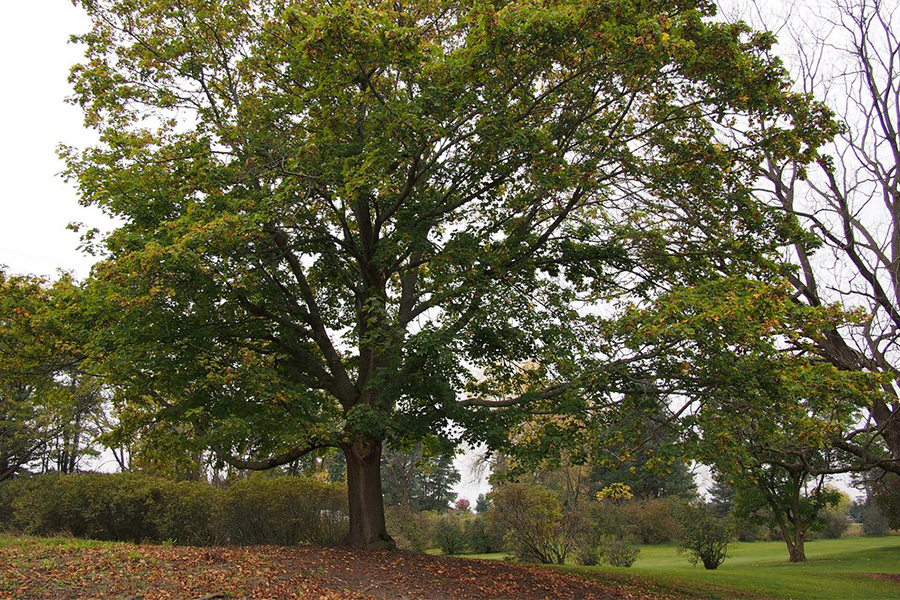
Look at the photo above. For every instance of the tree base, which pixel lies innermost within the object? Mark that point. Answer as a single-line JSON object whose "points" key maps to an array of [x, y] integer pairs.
{"points": [[382, 544], [388, 545]]}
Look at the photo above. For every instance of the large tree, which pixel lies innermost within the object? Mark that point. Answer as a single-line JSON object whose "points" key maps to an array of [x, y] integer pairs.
{"points": [[351, 221], [741, 377], [846, 206], [48, 404]]}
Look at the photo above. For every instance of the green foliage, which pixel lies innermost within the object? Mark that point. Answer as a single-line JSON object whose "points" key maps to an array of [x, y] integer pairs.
{"points": [[189, 513], [482, 504], [704, 534], [138, 508], [285, 511], [767, 414], [482, 536], [885, 493], [834, 518], [412, 530], [361, 222], [49, 406], [449, 535], [835, 524], [618, 551], [587, 553], [874, 521], [721, 497], [418, 479], [538, 528], [649, 521]]}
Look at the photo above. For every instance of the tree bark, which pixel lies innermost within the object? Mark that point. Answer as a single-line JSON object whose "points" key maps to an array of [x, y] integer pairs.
{"points": [[367, 525], [797, 550]]}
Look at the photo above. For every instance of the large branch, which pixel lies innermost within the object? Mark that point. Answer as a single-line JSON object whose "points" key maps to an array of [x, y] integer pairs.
{"points": [[545, 394], [871, 461], [270, 463], [346, 393]]}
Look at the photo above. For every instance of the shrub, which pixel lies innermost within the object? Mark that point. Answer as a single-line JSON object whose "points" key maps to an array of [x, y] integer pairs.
{"points": [[537, 528], [449, 535], [92, 505], [587, 554], [412, 530], [481, 536], [135, 507], [189, 514], [650, 521], [704, 535], [874, 522], [285, 511], [617, 551], [835, 524]]}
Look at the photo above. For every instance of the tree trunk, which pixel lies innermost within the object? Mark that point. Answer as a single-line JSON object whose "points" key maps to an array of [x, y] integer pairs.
{"points": [[797, 551], [367, 526]]}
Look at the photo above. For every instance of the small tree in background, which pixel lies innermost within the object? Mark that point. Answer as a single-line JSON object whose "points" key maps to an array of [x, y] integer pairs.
{"points": [[482, 536], [537, 526], [463, 506], [873, 521], [618, 552], [449, 535], [835, 517], [704, 535]]}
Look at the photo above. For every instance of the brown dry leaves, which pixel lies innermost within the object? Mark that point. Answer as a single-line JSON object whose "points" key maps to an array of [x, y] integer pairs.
{"points": [[128, 572]]}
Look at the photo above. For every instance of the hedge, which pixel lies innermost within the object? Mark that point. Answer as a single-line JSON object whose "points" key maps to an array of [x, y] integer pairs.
{"points": [[139, 508]]}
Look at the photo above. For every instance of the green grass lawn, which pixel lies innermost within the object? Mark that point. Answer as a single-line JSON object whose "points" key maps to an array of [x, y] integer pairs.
{"points": [[836, 571]]}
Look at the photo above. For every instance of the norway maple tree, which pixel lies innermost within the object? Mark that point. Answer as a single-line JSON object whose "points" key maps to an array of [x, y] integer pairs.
{"points": [[351, 222]]}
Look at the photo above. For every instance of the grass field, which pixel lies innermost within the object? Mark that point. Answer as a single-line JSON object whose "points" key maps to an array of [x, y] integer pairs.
{"points": [[837, 570]]}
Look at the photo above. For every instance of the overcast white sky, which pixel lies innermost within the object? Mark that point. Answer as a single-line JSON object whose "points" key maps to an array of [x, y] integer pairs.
{"points": [[35, 57]]}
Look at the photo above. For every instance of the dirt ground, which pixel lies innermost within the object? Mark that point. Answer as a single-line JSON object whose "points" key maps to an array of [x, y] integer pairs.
{"points": [[128, 572]]}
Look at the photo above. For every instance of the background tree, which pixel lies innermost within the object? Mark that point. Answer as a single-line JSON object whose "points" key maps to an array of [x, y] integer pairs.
{"points": [[482, 504], [347, 223], [846, 232], [642, 453], [704, 534], [752, 404], [420, 482], [49, 407]]}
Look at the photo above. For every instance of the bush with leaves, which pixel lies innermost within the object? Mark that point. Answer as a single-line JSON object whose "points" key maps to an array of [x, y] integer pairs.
{"points": [[108, 507], [587, 553], [537, 527], [449, 535], [650, 521], [835, 525], [411, 529], [874, 522], [137, 508], [285, 511], [618, 551], [481, 536], [704, 535]]}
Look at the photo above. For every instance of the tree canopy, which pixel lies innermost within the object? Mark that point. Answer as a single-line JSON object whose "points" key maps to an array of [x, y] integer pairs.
{"points": [[351, 221]]}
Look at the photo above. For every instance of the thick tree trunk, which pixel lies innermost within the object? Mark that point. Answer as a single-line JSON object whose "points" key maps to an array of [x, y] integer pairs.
{"points": [[367, 526], [797, 551], [795, 541]]}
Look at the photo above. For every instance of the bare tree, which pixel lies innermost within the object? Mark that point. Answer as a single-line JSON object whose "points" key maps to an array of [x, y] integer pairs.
{"points": [[845, 207]]}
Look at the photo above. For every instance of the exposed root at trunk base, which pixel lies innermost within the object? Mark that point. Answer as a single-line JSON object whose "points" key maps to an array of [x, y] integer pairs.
{"points": [[383, 543], [387, 544]]}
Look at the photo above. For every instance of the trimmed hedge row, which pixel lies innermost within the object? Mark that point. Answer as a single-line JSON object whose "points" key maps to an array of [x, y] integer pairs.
{"points": [[139, 508]]}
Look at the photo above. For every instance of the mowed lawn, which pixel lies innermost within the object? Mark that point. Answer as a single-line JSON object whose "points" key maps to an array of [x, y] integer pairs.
{"points": [[844, 569]]}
